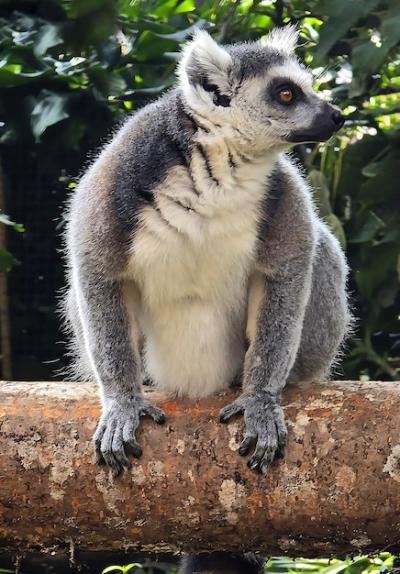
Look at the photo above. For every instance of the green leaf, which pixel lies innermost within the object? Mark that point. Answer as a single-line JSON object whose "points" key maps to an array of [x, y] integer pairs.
{"points": [[11, 75], [182, 35], [337, 228], [343, 14], [48, 37], [49, 109], [7, 260], [185, 6], [7, 221], [378, 265], [321, 192], [123, 569], [371, 225]]}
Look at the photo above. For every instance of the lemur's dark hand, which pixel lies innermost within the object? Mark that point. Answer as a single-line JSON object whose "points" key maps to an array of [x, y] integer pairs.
{"points": [[265, 427], [114, 439]]}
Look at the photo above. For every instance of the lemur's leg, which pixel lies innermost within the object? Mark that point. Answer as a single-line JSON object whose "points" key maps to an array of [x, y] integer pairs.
{"points": [[222, 563], [115, 361], [281, 294], [326, 307]]}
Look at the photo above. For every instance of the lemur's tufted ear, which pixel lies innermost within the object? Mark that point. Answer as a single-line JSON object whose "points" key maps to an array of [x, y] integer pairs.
{"points": [[282, 39], [205, 63]]}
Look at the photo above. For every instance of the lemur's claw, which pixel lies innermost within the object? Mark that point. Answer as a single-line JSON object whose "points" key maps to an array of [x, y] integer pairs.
{"points": [[154, 412], [114, 439], [265, 428], [248, 443]]}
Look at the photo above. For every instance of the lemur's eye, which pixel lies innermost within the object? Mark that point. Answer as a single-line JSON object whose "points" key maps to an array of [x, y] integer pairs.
{"points": [[286, 96]]}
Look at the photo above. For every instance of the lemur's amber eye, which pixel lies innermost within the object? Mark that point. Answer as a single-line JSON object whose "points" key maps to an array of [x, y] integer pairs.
{"points": [[286, 95]]}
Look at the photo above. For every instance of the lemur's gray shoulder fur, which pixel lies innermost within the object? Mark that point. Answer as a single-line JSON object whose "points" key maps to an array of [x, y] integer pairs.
{"points": [[123, 178]]}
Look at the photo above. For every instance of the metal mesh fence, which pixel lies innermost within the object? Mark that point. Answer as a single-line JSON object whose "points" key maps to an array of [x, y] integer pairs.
{"points": [[35, 193]]}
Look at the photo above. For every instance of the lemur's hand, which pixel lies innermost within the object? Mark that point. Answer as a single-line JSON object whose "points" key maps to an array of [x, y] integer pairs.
{"points": [[265, 427], [114, 439]]}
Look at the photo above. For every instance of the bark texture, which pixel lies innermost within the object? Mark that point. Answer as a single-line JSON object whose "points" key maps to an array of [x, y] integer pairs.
{"points": [[337, 490]]}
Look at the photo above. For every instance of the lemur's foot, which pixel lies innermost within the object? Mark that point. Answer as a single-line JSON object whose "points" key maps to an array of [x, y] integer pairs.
{"points": [[115, 440], [265, 427]]}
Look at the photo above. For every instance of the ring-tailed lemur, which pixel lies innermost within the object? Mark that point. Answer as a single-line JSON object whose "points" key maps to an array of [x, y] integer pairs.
{"points": [[195, 253]]}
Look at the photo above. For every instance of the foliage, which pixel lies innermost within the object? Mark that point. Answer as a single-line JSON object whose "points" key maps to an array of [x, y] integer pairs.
{"points": [[124, 569], [148, 567], [380, 564], [7, 260], [70, 70]]}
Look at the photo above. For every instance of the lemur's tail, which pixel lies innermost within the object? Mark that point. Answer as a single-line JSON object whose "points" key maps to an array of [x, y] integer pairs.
{"points": [[222, 563]]}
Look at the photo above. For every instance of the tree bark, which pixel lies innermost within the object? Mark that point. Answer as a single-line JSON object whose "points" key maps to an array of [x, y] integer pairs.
{"points": [[336, 491]]}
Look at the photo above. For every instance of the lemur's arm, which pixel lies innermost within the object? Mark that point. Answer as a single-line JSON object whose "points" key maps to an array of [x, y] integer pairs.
{"points": [[117, 368], [286, 265], [95, 247]]}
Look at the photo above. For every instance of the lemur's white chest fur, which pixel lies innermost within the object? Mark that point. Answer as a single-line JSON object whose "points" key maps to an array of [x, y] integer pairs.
{"points": [[192, 260]]}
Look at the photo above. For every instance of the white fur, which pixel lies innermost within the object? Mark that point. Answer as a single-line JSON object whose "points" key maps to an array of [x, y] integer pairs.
{"points": [[282, 39], [295, 72], [215, 63], [80, 301], [192, 269]]}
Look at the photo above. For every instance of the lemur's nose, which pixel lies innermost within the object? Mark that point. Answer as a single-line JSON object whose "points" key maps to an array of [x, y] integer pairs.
{"points": [[337, 118]]}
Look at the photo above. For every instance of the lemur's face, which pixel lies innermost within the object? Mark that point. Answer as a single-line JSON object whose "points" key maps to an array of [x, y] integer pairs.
{"points": [[257, 90]]}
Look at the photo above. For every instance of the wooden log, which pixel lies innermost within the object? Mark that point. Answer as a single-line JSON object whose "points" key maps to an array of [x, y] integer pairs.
{"points": [[337, 490]]}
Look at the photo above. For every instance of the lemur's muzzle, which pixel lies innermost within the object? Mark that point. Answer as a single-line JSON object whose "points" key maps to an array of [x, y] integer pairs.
{"points": [[323, 126]]}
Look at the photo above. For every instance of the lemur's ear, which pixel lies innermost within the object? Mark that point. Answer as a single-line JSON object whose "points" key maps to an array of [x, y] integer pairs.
{"points": [[205, 63], [282, 39]]}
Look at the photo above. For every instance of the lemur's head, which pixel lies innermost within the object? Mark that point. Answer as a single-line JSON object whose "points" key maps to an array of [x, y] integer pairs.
{"points": [[258, 88]]}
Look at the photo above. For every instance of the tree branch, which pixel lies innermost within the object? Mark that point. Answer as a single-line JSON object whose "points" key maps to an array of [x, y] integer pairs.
{"points": [[336, 491]]}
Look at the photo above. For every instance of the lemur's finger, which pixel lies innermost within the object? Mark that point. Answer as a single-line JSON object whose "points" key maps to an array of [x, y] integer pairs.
{"points": [[247, 444], [266, 447], [256, 460], [98, 457], [98, 435], [282, 433], [154, 412], [129, 438], [112, 463], [268, 459], [229, 411], [107, 451], [282, 444], [118, 450]]}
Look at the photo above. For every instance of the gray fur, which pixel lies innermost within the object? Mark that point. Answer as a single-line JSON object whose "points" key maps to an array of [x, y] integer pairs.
{"points": [[251, 59], [130, 192]]}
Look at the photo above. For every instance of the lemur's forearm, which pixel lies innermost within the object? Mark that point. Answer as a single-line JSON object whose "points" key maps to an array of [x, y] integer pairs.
{"points": [[272, 353], [106, 332]]}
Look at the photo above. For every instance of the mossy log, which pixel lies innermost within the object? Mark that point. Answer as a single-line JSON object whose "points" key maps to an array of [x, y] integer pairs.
{"points": [[336, 491]]}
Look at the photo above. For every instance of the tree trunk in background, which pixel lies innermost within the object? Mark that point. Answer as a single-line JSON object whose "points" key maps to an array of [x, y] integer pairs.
{"points": [[5, 343], [337, 490]]}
